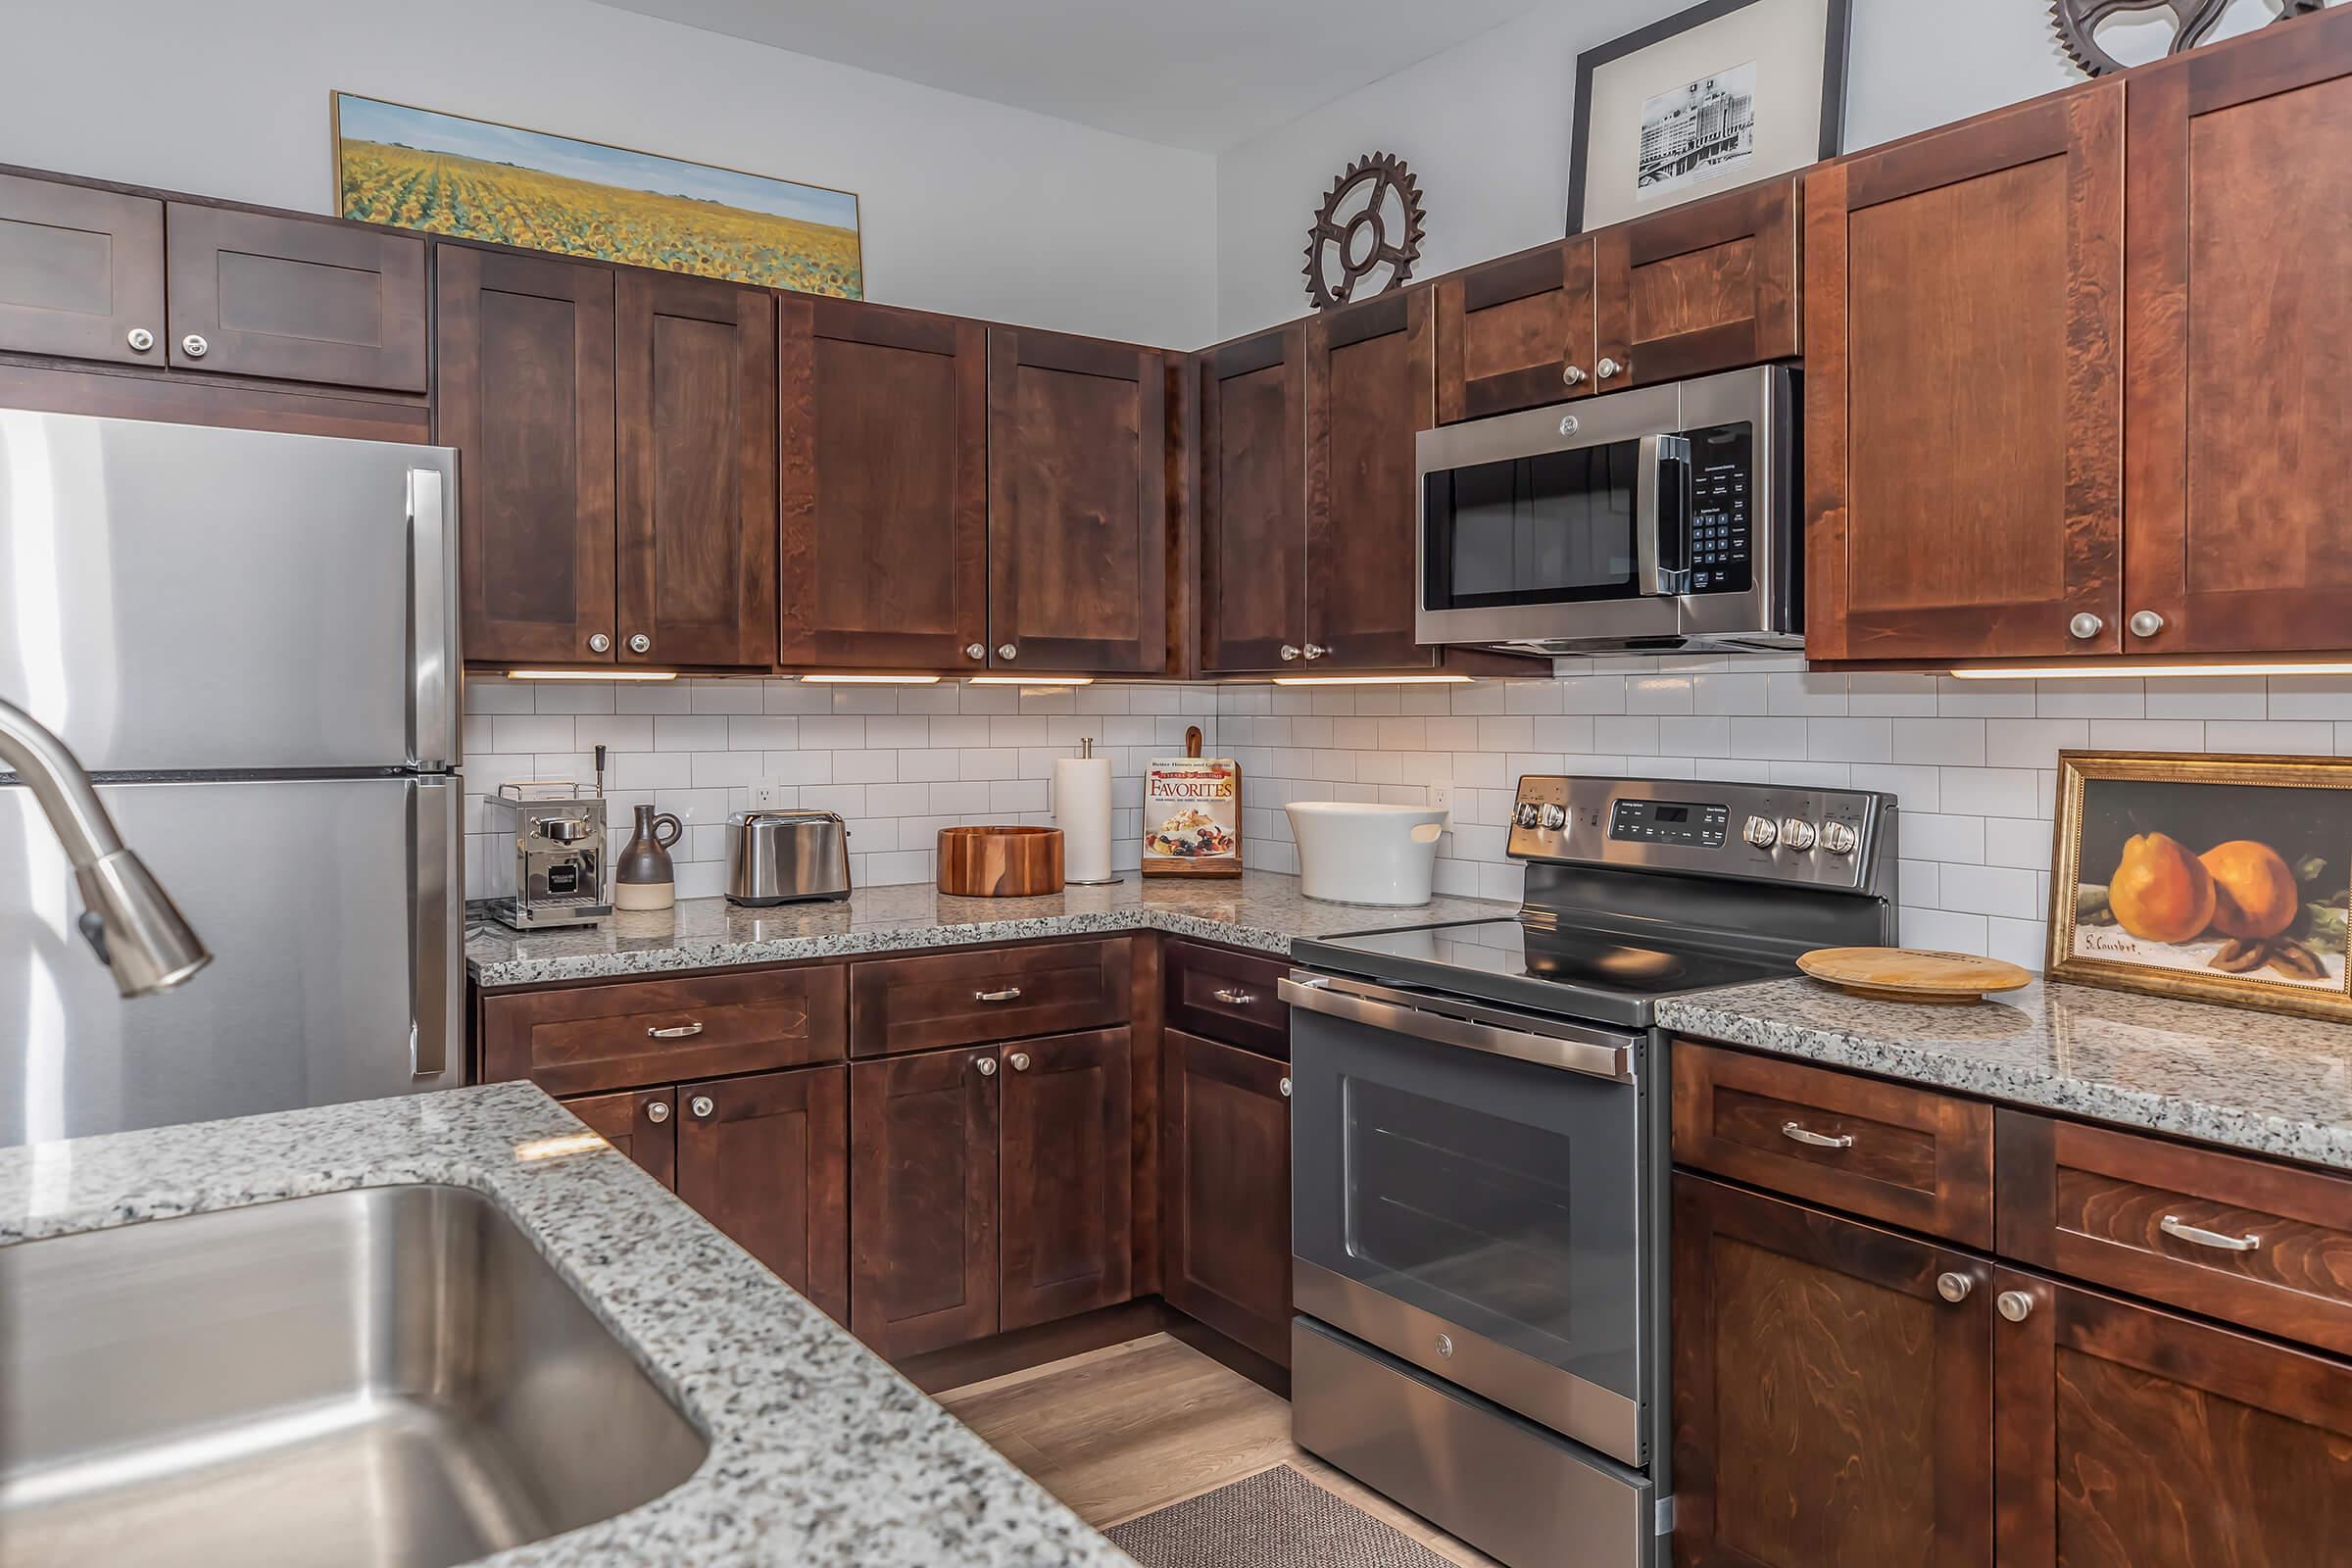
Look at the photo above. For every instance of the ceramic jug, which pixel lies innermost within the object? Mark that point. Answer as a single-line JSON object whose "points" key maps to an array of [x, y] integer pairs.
{"points": [[644, 878]]}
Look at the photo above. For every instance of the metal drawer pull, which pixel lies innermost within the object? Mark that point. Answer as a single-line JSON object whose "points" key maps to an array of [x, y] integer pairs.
{"points": [[1232, 997], [1009, 993], [684, 1031], [2173, 1225], [1812, 1140]]}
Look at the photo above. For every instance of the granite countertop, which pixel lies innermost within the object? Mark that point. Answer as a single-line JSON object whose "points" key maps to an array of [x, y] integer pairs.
{"points": [[1263, 909], [2259, 1081], [819, 1452]]}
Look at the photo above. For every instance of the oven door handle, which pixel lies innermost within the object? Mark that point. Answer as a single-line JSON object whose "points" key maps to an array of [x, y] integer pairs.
{"points": [[1600, 1056], [1662, 516]]}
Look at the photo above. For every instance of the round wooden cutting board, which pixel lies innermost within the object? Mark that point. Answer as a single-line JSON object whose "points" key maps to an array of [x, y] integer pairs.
{"points": [[1912, 974]]}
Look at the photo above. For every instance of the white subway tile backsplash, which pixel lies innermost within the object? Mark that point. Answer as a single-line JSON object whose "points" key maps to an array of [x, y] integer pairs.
{"points": [[690, 732], [2276, 737]]}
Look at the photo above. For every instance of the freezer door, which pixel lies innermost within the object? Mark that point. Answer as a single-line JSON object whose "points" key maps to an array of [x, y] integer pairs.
{"points": [[180, 598], [332, 910]]}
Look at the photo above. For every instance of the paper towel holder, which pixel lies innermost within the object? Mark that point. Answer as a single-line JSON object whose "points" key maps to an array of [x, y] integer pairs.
{"points": [[1085, 748]]}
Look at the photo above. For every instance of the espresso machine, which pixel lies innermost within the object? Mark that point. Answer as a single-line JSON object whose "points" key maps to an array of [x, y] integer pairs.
{"points": [[547, 865]]}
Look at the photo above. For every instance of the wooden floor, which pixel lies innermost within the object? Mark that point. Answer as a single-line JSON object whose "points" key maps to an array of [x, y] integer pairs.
{"points": [[1120, 1432]]}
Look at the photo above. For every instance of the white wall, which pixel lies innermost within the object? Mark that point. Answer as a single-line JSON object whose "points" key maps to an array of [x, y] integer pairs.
{"points": [[968, 207]]}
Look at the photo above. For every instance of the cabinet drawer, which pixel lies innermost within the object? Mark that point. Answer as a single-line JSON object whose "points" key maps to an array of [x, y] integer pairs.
{"points": [[1228, 995], [590, 1038], [2264, 1245], [963, 999], [1910, 1157]]}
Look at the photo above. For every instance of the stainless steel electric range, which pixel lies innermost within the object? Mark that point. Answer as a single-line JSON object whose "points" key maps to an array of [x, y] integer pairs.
{"points": [[1479, 1151]]}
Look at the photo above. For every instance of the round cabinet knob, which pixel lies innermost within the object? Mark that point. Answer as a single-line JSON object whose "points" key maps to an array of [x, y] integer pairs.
{"points": [[1020, 1060], [1289, 651], [1286, 1088], [2015, 1305], [2084, 626], [641, 644], [1317, 651], [1609, 368], [1007, 651], [1761, 831], [702, 1105], [194, 347], [987, 1066], [975, 649], [139, 339], [1573, 374], [1837, 838], [1444, 1346], [659, 1110], [600, 644], [1551, 819], [1954, 1287], [2145, 623], [1797, 833]]}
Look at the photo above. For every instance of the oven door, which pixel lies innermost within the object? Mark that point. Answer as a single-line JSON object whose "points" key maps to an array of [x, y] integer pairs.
{"points": [[1466, 1194]]}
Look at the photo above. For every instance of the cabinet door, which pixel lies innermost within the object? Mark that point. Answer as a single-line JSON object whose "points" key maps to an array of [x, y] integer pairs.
{"points": [[883, 552], [295, 299], [2241, 339], [1066, 1156], [1830, 1404], [525, 392], [765, 1158], [1077, 519], [642, 1123], [1963, 389], [695, 389], [924, 1268], [1253, 502], [1708, 286], [1225, 1148], [82, 272], [1370, 391], [2130, 1437], [1516, 333]]}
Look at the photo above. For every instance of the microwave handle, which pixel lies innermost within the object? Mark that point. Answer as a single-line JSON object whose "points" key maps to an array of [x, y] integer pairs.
{"points": [[1662, 516]]}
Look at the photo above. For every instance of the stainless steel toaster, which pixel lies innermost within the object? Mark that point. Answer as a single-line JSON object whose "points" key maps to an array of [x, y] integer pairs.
{"points": [[776, 857]]}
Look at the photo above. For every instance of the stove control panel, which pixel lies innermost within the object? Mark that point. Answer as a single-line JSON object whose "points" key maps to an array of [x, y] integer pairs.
{"points": [[1764, 832], [1669, 822]]}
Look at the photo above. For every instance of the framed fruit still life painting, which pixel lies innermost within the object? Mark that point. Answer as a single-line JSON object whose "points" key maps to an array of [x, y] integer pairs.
{"points": [[2221, 878]]}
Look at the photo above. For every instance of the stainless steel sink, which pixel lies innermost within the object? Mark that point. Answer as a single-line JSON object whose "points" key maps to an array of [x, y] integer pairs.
{"points": [[391, 1377]]}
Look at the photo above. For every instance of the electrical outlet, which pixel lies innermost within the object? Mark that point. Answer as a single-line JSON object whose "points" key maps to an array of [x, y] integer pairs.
{"points": [[1441, 798], [772, 794]]}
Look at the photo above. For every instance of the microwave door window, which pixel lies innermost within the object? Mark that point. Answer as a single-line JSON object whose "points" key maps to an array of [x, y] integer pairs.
{"points": [[1551, 528]]}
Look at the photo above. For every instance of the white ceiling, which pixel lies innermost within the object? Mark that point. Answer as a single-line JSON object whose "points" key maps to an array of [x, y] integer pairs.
{"points": [[1199, 73]]}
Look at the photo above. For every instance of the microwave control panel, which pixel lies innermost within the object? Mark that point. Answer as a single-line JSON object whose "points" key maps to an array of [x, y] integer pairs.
{"points": [[1721, 468]]}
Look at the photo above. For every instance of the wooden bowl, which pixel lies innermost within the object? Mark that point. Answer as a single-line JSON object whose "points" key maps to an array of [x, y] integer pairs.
{"points": [[1912, 974], [1000, 862]]}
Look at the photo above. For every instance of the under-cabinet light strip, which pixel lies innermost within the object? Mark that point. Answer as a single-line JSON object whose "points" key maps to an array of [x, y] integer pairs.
{"points": [[1371, 680], [592, 674], [2134, 670], [1029, 680], [869, 680]]}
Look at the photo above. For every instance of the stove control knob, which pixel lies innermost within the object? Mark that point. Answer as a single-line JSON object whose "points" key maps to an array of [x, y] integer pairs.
{"points": [[1837, 838], [1528, 814], [1796, 833], [1553, 819], [1761, 832]]}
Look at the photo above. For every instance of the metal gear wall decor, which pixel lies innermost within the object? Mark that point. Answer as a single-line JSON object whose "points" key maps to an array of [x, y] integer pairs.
{"points": [[2078, 21], [1367, 232]]}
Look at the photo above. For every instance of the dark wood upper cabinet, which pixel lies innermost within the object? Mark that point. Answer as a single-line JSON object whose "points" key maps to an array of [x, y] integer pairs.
{"points": [[1830, 1404], [1708, 286], [1370, 390], [1077, 516], [924, 1265], [1253, 502], [2240, 331], [695, 386], [1066, 1163], [295, 299], [1516, 333], [2129, 1436], [1963, 309], [82, 272], [642, 1123], [525, 392], [765, 1158], [1225, 1184], [883, 480]]}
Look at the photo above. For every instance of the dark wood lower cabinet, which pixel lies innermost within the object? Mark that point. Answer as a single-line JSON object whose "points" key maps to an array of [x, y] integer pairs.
{"points": [[1831, 1408], [765, 1158], [1065, 1172], [924, 1200], [642, 1123], [1225, 1152]]}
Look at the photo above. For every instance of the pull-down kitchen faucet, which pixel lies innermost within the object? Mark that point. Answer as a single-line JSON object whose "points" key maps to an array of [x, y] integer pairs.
{"points": [[128, 918]]}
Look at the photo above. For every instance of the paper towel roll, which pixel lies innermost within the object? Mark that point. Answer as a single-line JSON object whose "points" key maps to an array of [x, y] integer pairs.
{"points": [[1082, 810]]}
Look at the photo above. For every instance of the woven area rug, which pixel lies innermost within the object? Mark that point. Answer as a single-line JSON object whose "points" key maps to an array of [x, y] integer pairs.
{"points": [[1275, 1519]]}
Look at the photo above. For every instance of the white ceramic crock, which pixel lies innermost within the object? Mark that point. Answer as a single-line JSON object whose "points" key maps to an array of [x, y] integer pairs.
{"points": [[1353, 853]]}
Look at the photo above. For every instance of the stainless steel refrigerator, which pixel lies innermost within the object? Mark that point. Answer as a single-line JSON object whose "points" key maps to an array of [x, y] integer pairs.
{"points": [[250, 641]]}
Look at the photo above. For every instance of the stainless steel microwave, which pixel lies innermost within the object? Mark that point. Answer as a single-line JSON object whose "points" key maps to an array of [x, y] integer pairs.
{"points": [[1655, 519]]}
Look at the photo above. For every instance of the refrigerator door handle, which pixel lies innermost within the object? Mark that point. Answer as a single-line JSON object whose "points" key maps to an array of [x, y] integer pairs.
{"points": [[437, 925], [432, 639]]}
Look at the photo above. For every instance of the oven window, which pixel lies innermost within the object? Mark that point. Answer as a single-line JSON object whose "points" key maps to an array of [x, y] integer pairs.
{"points": [[1553, 528]]}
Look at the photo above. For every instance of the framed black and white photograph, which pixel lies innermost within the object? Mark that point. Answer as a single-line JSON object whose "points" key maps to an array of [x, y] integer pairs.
{"points": [[1714, 97]]}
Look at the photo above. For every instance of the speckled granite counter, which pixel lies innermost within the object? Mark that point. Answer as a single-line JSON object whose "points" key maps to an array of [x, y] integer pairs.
{"points": [[2249, 1080], [1260, 910], [821, 1454]]}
